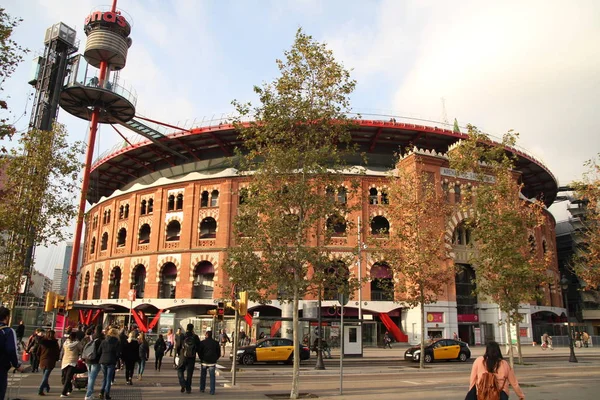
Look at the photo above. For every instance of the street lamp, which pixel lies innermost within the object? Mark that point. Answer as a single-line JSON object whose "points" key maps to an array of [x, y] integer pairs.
{"points": [[564, 284]]}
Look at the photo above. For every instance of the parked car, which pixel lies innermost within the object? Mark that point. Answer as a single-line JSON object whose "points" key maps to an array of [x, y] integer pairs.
{"points": [[270, 350], [441, 349]]}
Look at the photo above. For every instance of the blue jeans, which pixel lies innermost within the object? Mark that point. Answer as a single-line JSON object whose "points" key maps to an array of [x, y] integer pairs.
{"points": [[211, 371], [93, 371], [141, 367], [3, 382], [45, 376], [108, 371], [188, 368]]}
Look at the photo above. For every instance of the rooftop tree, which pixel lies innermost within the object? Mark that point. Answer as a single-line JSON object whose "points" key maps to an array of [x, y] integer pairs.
{"points": [[415, 247], [509, 266], [293, 154]]}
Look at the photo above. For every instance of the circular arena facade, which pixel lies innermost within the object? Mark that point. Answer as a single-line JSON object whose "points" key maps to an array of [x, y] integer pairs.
{"points": [[161, 222]]}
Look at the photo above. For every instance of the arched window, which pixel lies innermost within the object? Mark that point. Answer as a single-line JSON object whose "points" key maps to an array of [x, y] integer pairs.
{"points": [[446, 190], [204, 274], [384, 198], [173, 231], [144, 234], [204, 199], [104, 217], [168, 278], [214, 198], [95, 221], [373, 196], [382, 283], [121, 237], [380, 226], [121, 212], [150, 206], [139, 281], [336, 225], [208, 228], [342, 195], [97, 285], [330, 193], [544, 247], [104, 242], [466, 298], [532, 244], [143, 208], [243, 195], [461, 235], [93, 246], [457, 197], [336, 276], [107, 216], [114, 283], [86, 286], [126, 211], [171, 203], [179, 203]]}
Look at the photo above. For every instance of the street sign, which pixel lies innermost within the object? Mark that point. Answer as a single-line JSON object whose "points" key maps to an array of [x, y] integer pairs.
{"points": [[131, 294], [343, 299]]}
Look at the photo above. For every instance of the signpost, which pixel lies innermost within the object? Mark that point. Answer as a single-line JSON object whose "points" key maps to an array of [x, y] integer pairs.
{"points": [[343, 299], [131, 296]]}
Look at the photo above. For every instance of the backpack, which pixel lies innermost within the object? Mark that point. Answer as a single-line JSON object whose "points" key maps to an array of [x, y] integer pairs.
{"points": [[89, 353], [160, 347], [189, 347], [487, 387]]}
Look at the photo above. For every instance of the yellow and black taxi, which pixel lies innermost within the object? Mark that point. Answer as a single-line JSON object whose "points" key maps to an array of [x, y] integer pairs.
{"points": [[441, 349], [270, 350]]}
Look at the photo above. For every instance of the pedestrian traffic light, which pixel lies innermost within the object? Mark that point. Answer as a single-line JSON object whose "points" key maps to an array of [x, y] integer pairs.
{"points": [[243, 304], [59, 302], [50, 299], [220, 310], [70, 305]]}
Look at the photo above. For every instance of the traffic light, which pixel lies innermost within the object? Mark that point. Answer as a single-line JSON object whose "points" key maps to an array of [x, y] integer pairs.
{"points": [[50, 299], [220, 310], [70, 305], [59, 302], [243, 304]]}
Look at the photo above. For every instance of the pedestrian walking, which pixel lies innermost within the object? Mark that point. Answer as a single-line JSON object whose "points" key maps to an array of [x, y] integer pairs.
{"points": [[32, 348], [578, 339], [387, 340], [190, 344], [585, 337], [160, 347], [8, 350], [491, 376], [71, 351], [170, 342], [243, 337], [223, 339], [20, 334], [209, 353], [455, 336], [130, 355], [110, 351], [93, 362], [144, 353], [177, 343], [47, 352]]}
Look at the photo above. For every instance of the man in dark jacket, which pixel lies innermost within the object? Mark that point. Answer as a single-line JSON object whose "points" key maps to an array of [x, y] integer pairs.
{"points": [[8, 351], [32, 347], [178, 338], [209, 353], [93, 364], [20, 333], [109, 351], [187, 350]]}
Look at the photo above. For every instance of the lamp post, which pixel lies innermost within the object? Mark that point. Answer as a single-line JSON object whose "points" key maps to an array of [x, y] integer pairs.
{"points": [[564, 284]]}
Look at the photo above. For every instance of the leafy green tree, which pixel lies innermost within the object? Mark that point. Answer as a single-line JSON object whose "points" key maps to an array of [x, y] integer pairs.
{"points": [[11, 54], [587, 256], [509, 267], [415, 247], [36, 201], [293, 153]]}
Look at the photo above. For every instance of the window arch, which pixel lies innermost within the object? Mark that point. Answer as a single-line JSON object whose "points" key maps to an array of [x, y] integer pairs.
{"points": [[336, 225], [121, 237], [93, 246], [214, 198], [243, 196], [204, 274], [457, 197], [143, 208], [532, 244], [380, 226], [168, 278], [104, 242], [97, 285], [107, 216], [86, 286], [173, 231], [446, 190], [121, 212], [384, 197], [139, 280], [342, 195], [382, 283], [150, 206], [179, 202], [126, 213], [336, 275], [114, 283], [171, 203], [461, 235], [208, 228], [204, 199], [373, 196], [144, 234]]}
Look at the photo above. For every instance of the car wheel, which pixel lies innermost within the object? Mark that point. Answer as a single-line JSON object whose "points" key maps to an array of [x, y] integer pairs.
{"points": [[463, 357], [248, 359], [428, 358]]}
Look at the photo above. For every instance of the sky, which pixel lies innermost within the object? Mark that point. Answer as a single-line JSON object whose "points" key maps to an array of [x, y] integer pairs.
{"points": [[531, 66]]}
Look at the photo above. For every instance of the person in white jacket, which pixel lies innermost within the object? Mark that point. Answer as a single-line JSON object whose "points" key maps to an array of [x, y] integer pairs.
{"points": [[71, 351]]}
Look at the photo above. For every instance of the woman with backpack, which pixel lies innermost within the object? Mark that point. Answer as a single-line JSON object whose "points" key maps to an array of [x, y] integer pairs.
{"points": [[48, 353], [491, 375], [144, 354], [160, 347]]}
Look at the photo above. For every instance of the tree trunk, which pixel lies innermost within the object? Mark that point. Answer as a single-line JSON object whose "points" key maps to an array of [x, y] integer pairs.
{"points": [[422, 358], [519, 343], [509, 341], [296, 370]]}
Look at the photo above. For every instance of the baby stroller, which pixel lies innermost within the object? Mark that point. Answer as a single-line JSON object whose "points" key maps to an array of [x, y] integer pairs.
{"points": [[80, 377]]}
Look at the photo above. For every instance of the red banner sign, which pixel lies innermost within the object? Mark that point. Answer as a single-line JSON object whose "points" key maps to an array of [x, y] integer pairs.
{"points": [[435, 317], [467, 318]]}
